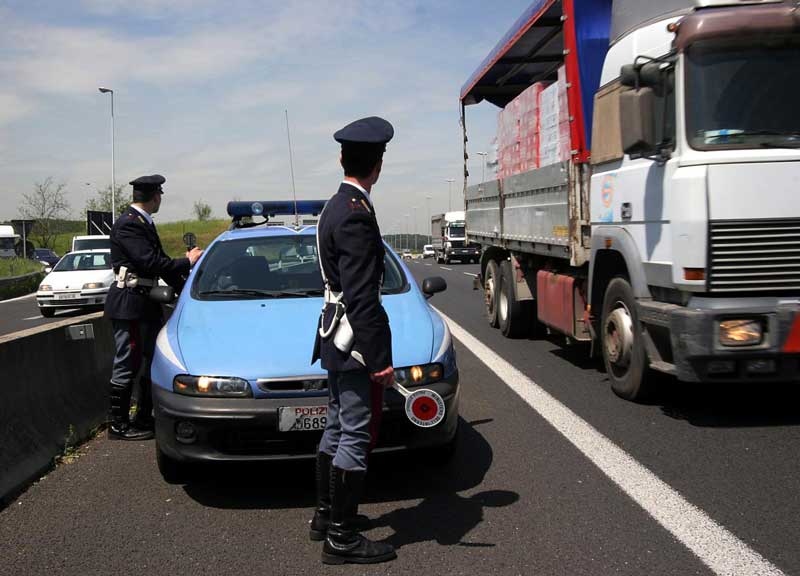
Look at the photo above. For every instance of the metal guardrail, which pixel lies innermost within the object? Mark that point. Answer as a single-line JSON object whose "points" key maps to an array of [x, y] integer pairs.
{"points": [[14, 286]]}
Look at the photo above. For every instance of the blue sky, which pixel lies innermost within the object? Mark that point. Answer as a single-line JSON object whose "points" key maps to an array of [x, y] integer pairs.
{"points": [[201, 87]]}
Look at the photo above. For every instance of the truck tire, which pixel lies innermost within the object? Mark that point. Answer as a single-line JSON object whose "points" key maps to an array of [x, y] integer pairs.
{"points": [[513, 316], [624, 355], [491, 284]]}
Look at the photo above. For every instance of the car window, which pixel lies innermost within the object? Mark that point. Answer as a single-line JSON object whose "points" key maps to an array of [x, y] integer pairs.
{"points": [[279, 266], [84, 261]]}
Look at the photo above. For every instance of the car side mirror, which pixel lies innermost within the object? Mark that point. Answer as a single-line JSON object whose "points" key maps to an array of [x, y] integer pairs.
{"points": [[162, 294], [433, 285], [638, 122], [189, 240], [47, 270]]}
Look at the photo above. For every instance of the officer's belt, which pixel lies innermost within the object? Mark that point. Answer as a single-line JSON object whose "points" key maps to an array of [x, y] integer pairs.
{"points": [[128, 279]]}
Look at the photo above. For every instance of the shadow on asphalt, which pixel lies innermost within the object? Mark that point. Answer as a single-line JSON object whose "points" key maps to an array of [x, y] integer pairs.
{"points": [[391, 477]]}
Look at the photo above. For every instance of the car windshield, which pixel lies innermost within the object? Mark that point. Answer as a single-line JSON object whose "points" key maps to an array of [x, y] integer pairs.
{"points": [[743, 97], [271, 267], [84, 261]]}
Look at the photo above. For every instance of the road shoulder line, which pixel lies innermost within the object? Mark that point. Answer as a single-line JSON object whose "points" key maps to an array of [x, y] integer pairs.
{"points": [[713, 544]]}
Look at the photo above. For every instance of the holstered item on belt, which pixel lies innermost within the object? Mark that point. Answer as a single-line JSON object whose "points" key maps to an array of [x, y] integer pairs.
{"points": [[126, 279]]}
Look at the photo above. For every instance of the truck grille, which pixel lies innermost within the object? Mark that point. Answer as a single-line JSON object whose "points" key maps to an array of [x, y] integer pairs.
{"points": [[755, 255]]}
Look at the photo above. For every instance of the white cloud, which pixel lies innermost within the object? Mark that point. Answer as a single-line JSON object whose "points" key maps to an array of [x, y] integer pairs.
{"points": [[13, 108]]}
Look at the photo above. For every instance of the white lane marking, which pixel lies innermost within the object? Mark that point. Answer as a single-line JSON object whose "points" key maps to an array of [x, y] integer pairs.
{"points": [[428, 264], [445, 268], [31, 295], [713, 544], [34, 317], [470, 274]]}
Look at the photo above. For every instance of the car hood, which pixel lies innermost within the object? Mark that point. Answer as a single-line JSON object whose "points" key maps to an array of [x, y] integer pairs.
{"points": [[254, 339], [75, 279]]}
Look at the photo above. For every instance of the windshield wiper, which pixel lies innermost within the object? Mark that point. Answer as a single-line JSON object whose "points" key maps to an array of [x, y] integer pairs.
{"points": [[256, 293]]}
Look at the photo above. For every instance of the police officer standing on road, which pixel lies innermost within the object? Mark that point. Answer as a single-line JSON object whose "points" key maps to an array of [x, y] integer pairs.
{"points": [[139, 261], [355, 345]]}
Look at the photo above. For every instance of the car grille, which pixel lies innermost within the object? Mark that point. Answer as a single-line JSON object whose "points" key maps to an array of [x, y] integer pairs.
{"points": [[755, 256], [310, 384]]}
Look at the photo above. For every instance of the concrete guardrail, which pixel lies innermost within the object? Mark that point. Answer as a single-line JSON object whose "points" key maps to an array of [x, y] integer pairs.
{"points": [[53, 392]]}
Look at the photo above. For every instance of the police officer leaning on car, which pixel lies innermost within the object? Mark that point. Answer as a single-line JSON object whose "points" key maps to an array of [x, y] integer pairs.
{"points": [[139, 261], [354, 343]]}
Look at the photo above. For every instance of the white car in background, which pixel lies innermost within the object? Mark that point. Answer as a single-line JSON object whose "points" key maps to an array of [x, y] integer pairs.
{"points": [[428, 251], [79, 280]]}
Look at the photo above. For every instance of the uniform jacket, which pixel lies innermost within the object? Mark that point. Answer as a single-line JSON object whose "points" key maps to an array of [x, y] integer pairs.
{"points": [[351, 249], [135, 244]]}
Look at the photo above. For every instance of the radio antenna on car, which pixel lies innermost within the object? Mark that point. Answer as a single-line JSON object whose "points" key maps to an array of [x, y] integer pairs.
{"points": [[291, 170]]}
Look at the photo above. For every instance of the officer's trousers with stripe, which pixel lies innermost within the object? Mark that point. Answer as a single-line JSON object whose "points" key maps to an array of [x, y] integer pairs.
{"points": [[355, 404]]}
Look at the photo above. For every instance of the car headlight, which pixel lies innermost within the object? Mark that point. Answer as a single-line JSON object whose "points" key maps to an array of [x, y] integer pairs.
{"points": [[94, 285], [211, 386], [45, 287], [418, 375]]}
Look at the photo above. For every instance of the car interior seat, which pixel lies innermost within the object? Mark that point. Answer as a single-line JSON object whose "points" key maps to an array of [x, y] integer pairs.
{"points": [[251, 272]]}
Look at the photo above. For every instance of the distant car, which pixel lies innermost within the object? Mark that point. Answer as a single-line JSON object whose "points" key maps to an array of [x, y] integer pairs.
{"points": [[406, 255], [46, 256], [428, 251], [232, 374], [79, 280], [96, 242]]}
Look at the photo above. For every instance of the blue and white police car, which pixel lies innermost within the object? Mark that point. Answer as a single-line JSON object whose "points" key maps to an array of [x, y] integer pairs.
{"points": [[232, 374]]}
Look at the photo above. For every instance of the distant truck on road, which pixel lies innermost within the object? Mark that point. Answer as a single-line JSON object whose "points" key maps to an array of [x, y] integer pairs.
{"points": [[647, 193], [449, 239]]}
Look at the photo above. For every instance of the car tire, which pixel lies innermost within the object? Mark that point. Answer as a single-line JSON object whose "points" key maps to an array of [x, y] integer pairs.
{"points": [[621, 338], [513, 316], [47, 312], [491, 284], [173, 471]]}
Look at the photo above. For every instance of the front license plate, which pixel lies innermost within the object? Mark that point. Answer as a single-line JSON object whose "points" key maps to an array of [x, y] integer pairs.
{"points": [[302, 418], [66, 296]]}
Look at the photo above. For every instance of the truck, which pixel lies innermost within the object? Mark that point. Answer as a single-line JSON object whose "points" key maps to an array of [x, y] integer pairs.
{"points": [[449, 239], [650, 205], [8, 242]]}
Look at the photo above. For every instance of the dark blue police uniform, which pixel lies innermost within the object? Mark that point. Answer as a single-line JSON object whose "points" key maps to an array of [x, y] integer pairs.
{"points": [[139, 260], [351, 256]]}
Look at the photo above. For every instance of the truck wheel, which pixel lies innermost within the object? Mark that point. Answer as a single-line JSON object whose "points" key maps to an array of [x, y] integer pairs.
{"points": [[512, 315], [491, 283], [623, 349], [173, 471]]}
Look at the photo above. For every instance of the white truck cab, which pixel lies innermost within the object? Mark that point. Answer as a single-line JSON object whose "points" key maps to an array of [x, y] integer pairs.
{"points": [[8, 240]]}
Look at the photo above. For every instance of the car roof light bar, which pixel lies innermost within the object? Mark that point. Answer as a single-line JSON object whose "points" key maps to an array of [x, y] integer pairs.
{"points": [[269, 209]]}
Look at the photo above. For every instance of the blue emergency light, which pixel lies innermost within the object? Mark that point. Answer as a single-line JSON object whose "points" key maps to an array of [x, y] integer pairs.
{"points": [[269, 209]]}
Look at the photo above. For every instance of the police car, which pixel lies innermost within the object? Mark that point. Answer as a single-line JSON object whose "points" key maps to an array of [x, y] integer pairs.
{"points": [[231, 373]]}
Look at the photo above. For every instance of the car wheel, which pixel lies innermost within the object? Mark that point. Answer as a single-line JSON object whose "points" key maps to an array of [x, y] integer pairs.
{"points": [[490, 286], [47, 312], [173, 471], [623, 348], [513, 316]]}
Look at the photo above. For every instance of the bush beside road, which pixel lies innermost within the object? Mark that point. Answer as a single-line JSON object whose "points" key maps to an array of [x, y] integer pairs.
{"points": [[19, 277]]}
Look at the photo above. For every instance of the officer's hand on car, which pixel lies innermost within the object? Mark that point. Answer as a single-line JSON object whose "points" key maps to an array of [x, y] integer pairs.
{"points": [[385, 377], [194, 255]]}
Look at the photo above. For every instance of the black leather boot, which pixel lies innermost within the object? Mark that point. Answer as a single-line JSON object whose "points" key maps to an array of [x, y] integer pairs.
{"points": [[121, 428], [144, 409], [322, 515], [344, 544]]}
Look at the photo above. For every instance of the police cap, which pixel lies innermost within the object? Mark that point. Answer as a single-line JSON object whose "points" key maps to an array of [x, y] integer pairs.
{"points": [[372, 130], [144, 187]]}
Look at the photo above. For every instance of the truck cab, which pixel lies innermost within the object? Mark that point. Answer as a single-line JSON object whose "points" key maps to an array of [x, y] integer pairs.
{"points": [[8, 241], [449, 237]]}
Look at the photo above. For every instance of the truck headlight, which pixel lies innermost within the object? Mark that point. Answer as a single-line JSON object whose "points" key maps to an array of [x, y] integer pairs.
{"points": [[742, 332], [419, 375], [93, 286], [211, 386]]}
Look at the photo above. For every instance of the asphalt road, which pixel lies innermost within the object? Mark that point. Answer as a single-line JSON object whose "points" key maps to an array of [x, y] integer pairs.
{"points": [[23, 313], [517, 498]]}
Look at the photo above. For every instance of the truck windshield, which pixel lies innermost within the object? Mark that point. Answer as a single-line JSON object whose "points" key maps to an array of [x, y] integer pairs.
{"points": [[457, 231], [743, 96]]}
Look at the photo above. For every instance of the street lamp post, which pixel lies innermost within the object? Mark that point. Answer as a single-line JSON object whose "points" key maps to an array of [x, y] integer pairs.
{"points": [[415, 228], [113, 174], [428, 223], [450, 194]]}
